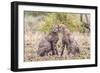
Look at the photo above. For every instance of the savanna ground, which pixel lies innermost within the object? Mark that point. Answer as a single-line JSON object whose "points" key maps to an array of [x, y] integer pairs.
{"points": [[38, 25]]}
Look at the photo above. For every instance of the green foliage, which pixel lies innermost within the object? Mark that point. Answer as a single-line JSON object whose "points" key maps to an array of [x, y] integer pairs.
{"points": [[72, 21], [48, 23]]}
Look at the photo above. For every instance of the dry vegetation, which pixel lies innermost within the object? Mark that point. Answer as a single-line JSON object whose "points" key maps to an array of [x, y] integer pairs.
{"points": [[33, 35], [32, 47]]}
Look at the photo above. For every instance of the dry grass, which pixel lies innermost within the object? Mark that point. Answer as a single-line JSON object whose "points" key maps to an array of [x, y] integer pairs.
{"points": [[32, 41]]}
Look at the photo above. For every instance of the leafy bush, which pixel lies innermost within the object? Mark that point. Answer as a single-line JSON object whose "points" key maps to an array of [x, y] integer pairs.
{"points": [[72, 21]]}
